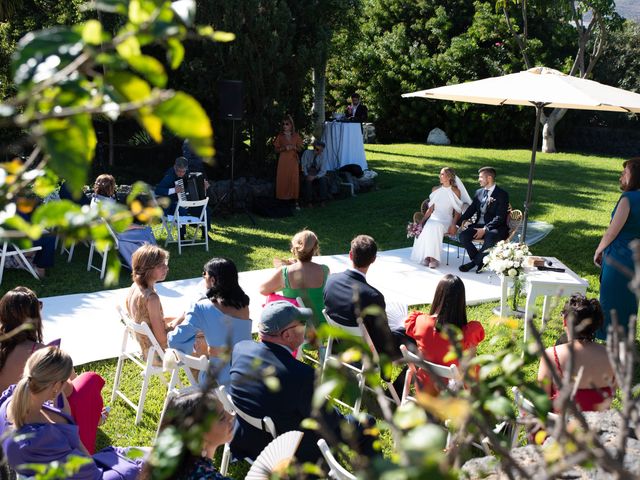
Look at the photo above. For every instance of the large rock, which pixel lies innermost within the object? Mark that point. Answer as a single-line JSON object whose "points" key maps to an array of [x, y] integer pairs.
{"points": [[438, 137], [531, 458]]}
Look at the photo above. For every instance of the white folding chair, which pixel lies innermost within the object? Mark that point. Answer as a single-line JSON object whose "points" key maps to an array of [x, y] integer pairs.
{"points": [[300, 355], [336, 471], [176, 221], [18, 252], [266, 424], [102, 267], [359, 331], [148, 367], [449, 372], [175, 360], [525, 407]]}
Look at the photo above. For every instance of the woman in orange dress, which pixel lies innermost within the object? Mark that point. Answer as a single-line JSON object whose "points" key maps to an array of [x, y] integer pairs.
{"points": [[288, 143], [430, 331]]}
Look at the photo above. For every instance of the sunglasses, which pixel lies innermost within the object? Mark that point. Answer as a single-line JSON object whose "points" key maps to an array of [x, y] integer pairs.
{"points": [[318, 149], [289, 328]]}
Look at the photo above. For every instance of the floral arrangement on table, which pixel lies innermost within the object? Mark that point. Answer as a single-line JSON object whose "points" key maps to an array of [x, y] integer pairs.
{"points": [[414, 229], [508, 259]]}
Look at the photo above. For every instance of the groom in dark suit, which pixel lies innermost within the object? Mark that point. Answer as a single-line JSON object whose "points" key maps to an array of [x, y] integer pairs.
{"points": [[490, 205]]}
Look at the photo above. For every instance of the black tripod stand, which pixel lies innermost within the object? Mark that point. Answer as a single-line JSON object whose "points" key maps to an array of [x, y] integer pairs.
{"points": [[231, 184]]}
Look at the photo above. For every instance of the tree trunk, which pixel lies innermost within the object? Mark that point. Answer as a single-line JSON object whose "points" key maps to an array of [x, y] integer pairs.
{"points": [[319, 88], [549, 123]]}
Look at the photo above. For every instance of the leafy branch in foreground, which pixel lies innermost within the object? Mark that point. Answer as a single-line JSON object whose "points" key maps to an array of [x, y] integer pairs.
{"points": [[66, 75]]}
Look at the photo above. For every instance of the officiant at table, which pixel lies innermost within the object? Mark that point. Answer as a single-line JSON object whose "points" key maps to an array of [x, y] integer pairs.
{"points": [[356, 112]]}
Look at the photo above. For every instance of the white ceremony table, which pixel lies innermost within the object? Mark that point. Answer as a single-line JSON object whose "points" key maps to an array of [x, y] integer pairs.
{"points": [[544, 283], [343, 145]]}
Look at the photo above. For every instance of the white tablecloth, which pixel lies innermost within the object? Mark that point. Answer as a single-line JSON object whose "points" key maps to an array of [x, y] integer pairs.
{"points": [[344, 145]]}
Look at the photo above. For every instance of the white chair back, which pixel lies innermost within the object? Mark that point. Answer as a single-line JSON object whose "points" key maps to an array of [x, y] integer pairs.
{"points": [[177, 221], [265, 423], [449, 372], [336, 471], [148, 366], [19, 252], [525, 407]]}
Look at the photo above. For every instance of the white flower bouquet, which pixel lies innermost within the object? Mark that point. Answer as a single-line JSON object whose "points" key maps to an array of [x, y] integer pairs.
{"points": [[508, 259]]}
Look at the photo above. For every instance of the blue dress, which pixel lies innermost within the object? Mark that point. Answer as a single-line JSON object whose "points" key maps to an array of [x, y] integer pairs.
{"points": [[219, 330], [47, 442], [614, 286]]}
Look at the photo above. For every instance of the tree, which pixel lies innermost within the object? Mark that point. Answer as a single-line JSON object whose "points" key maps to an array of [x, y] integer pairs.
{"points": [[64, 76], [591, 21]]}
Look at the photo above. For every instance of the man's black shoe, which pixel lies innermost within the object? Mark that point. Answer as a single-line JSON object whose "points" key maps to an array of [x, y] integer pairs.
{"points": [[466, 267], [479, 269]]}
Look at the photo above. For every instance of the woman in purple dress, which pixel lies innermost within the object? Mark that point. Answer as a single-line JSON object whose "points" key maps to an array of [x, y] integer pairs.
{"points": [[34, 431]]}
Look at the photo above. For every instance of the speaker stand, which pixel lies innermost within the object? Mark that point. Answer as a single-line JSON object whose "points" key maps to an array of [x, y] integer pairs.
{"points": [[233, 162]]}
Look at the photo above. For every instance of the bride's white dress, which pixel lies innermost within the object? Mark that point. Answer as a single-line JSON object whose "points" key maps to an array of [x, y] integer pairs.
{"points": [[429, 243]]}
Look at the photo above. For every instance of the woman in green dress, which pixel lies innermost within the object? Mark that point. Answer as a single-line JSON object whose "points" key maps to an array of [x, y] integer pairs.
{"points": [[300, 276]]}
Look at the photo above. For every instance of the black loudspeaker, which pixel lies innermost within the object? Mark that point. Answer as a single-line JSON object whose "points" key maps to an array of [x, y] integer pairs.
{"points": [[230, 99]]}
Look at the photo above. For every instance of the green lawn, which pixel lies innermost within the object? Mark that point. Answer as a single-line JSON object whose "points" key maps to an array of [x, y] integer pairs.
{"points": [[575, 193]]}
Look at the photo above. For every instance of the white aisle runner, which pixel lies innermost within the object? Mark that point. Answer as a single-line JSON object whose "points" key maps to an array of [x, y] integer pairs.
{"points": [[90, 328]]}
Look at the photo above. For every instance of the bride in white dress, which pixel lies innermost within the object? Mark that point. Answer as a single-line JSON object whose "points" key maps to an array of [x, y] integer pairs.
{"points": [[446, 204]]}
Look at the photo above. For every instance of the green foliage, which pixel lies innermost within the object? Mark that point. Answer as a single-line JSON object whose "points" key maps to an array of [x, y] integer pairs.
{"points": [[622, 68], [58, 470], [65, 75]]}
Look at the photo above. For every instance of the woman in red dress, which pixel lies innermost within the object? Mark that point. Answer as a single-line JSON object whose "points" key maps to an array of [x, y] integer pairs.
{"points": [[287, 144], [597, 384], [448, 309]]}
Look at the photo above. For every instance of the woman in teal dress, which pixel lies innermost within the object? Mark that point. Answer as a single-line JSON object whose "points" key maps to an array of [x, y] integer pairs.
{"points": [[300, 276], [614, 250]]}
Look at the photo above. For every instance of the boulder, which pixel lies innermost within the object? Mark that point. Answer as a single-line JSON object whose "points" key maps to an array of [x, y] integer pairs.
{"points": [[531, 458], [438, 137]]}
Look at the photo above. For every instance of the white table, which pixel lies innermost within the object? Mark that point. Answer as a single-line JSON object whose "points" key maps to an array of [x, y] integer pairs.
{"points": [[344, 145], [544, 283]]}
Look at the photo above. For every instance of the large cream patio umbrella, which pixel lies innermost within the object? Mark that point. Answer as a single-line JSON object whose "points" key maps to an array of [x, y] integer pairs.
{"points": [[538, 87]]}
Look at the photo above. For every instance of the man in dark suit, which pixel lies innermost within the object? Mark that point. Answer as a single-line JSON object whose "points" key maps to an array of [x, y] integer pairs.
{"points": [[281, 328], [490, 205], [347, 295], [357, 112]]}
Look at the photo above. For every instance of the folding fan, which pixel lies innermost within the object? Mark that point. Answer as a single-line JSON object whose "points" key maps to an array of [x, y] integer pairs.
{"points": [[276, 456]]}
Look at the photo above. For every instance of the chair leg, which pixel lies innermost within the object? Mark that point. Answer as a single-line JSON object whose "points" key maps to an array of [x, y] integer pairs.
{"points": [[90, 260], [361, 382], [103, 268], [143, 391], [3, 259], [327, 354], [116, 380], [224, 463]]}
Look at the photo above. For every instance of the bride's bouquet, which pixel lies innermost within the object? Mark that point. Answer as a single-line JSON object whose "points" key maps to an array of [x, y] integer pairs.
{"points": [[414, 229], [508, 259]]}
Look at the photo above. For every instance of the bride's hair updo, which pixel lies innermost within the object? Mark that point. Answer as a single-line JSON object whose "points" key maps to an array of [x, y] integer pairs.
{"points": [[451, 173]]}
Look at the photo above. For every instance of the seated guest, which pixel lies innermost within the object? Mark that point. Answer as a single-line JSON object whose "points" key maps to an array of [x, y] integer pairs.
{"points": [[34, 431], [490, 205], [314, 171], [347, 294], [281, 332], [19, 307], [150, 264], [356, 112], [597, 384], [223, 317], [433, 332], [135, 236], [104, 188], [194, 463], [167, 187], [301, 277]]}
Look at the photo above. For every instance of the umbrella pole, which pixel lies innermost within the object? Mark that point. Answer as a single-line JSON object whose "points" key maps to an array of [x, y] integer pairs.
{"points": [[532, 166]]}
